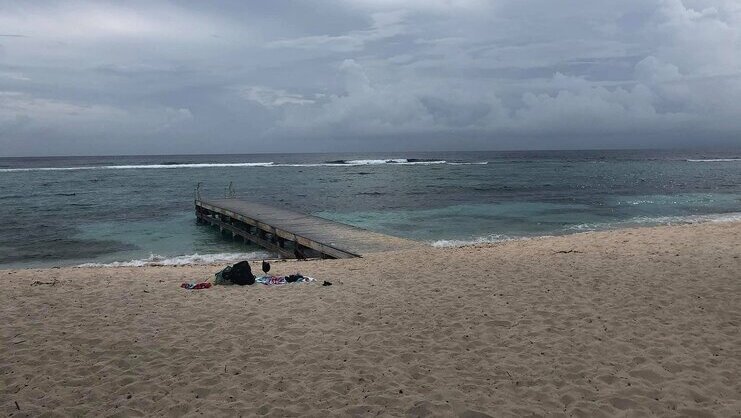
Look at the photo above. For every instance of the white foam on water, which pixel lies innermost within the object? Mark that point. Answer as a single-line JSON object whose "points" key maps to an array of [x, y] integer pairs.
{"points": [[374, 162], [185, 260], [638, 202], [424, 162], [394, 161], [139, 167], [355, 163], [349, 163], [447, 243], [588, 227], [658, 220], [714, 160]]}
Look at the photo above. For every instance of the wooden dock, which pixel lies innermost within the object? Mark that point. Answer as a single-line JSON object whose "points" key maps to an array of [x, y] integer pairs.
{"points": [[293, 234]]}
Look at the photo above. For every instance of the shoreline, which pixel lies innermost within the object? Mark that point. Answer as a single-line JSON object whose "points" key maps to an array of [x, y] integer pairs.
{"points": [[631, 321], [230, 258]]}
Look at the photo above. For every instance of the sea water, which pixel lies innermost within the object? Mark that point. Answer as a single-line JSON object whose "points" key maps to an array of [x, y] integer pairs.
{"points": [[138, 210]]}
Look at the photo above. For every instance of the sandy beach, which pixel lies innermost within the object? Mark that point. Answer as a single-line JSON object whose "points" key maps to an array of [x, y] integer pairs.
{"points": [[620, 323]]}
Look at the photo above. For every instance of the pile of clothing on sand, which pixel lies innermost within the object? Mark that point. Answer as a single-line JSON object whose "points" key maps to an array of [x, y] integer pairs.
{"points": [[241, 274]]}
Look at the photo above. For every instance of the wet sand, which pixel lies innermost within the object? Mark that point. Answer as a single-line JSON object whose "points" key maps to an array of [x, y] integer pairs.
{"points": [[627, 323]]}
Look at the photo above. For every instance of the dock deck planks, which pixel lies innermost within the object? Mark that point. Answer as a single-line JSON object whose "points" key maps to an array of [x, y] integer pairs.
{"points": [[333, 239]]}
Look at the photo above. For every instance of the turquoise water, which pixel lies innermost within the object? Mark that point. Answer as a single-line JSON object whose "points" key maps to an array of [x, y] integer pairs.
{"points": [[138, 210], [508, 220]]}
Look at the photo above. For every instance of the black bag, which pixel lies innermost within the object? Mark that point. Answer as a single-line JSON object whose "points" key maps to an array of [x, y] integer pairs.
{"points": [[240, 274]]}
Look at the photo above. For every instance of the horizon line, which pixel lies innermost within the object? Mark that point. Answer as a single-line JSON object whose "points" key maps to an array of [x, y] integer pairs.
{"points": [[689, 148]]}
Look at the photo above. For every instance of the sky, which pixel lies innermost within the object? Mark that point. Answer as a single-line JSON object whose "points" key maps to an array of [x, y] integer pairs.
{"points": [[159, 77]]}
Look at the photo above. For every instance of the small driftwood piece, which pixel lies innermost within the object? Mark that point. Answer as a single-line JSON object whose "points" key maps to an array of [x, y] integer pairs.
{"points": [[568, 252], [39, 283]]}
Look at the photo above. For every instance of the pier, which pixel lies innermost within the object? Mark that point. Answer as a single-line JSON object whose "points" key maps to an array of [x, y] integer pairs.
{"points": [[294, 234]]}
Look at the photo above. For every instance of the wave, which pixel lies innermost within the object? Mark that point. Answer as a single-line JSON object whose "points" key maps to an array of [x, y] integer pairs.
{"points": [[489, 239], [139, 166], [405, 161], [657, 220], [714, 160], [170, 165], [185, 260], [588, 227], [402, 161]]}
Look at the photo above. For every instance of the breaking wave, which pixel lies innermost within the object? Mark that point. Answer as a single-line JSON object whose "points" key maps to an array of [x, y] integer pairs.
{"points": [[336, 163], [447, 243], [139, 167], [657, 220], [403, 161], [587, 227], [185, 260], [714, 160]]}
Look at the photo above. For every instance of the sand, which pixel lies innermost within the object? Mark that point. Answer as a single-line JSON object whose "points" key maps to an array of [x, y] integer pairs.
{"points": [[622, 323]]}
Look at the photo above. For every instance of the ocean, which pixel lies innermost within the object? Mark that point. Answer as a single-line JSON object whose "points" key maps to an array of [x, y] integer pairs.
{"points": [[138, 210]]}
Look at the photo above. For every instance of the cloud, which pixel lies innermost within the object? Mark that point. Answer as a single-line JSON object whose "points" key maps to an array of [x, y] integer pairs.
{"points": [[441, 6], [142, 76], [13, 76], [89, 21], [703, 39], [365, 107], [271, 98], [652, 70], [361, 107], [49, 111], [581, 108], [384, 25], [23, 114]]}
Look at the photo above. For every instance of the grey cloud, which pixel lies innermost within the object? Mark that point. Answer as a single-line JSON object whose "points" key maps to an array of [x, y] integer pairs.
{"points": [[268, 97], [384, 25], [139, 77]]}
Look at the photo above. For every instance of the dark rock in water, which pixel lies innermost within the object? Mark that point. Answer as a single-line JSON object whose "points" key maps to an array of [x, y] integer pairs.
{"points": [[326, 283], [421, 160]]}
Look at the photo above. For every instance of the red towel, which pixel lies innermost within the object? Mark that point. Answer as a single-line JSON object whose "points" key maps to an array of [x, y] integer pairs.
{"points": [[196, 286]]}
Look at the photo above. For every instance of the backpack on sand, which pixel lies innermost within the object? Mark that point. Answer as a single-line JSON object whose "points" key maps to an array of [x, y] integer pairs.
{"points": [[241, 274]]}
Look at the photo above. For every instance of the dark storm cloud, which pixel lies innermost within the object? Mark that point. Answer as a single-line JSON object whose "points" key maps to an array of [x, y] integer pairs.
{"points": [[164, 77]]}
